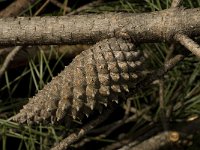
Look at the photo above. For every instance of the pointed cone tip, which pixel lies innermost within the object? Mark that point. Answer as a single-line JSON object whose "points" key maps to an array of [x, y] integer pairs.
{"points": [[116, 101], [87, 115]]}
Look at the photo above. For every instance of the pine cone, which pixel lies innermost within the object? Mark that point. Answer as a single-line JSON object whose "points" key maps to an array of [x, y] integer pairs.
{"points": [[94, 80]]}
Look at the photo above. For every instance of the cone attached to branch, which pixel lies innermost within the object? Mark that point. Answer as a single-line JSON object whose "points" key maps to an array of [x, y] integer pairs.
{"points": [[94, 80]]}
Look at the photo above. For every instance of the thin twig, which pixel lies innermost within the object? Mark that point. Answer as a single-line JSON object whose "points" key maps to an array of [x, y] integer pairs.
{"points": [[163, 117], [8, 59], [65, 4], [16, 8], [41, 8], [188, 43], [86, 6], [176, 3], [119, 123], [5, 51], [163, 112], [170, 51], [65, 143], [60, 5], [113, 126], [145, 133]]}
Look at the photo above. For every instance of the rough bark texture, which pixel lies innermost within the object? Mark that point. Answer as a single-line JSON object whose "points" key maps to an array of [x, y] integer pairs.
{"points": [[154, 143], [141, 27], [94, 80]]}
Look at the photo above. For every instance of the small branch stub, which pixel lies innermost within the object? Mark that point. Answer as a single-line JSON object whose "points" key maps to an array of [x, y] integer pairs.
{"points": [[174, 136], [176, 3]]}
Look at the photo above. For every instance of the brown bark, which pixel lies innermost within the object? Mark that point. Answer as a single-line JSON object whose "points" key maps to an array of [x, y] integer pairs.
{"points": [[189, 44], [141, 27], [154, 143], [179, 132]]}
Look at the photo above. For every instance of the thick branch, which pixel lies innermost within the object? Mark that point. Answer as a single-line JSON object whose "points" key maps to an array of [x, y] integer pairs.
{"points": [[141, 27], [154, 143], [179, 132]]}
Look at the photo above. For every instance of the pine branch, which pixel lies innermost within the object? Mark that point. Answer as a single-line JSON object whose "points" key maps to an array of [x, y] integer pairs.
{"points": [[143, 27], [154, 143], [179, 132]]}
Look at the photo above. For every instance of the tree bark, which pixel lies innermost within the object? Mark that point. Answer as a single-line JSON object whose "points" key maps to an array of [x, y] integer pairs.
{"points": [[141, 27]]}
